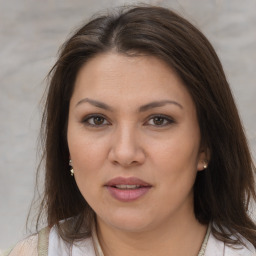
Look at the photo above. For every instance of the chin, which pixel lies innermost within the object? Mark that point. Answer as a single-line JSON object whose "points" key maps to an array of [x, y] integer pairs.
{"points": [[128, 222], [133, 226]]}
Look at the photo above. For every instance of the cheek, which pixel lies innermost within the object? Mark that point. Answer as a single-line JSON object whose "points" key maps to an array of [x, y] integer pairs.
{"points": [[176, 173], [176, 152], [88, 156], [176, 159], [88, 159], [87, 151]]}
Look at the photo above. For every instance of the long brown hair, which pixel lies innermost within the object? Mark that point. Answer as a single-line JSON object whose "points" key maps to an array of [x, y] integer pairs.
{"points": [[223, 191]]}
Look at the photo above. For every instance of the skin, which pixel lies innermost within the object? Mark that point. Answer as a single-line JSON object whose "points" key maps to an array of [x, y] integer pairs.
{"points": [[127, 140]]}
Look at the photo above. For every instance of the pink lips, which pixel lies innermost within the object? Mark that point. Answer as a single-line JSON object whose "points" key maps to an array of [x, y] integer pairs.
{"points": [[128, 193]]}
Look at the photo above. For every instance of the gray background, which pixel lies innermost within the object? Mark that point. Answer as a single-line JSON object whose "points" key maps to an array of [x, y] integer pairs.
{"points": [[30, 34]]}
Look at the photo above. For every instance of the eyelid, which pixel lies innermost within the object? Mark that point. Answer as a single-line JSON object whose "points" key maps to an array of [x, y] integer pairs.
{"points": [[169, 119], [87, 117]]}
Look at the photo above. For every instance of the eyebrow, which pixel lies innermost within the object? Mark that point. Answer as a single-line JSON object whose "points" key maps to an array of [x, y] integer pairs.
{"points": [[154, 104], [95, 103]]}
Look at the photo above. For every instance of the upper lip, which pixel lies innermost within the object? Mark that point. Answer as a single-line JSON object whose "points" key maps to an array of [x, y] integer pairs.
{"points": [[127, 181]]}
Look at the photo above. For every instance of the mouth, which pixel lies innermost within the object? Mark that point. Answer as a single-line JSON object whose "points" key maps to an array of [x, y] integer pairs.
{"points": [[130, 182], [127, 189]]}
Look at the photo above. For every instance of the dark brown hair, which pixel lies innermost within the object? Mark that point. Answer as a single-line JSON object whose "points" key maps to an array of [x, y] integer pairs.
{"points": [[223, 191]]}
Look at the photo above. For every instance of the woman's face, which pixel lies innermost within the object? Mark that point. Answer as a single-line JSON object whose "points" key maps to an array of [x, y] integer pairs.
{"points": [[134, 141]]}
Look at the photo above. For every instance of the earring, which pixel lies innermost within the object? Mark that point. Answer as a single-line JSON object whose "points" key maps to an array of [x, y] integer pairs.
{"points": [[72, 170], [205, 165]]}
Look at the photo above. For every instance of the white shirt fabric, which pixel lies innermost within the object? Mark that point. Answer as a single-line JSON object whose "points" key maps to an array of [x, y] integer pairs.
{"points": [[218, 248], [57, 247]]}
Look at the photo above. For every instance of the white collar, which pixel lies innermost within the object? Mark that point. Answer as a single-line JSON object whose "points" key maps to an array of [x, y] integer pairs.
{"points": [[216, 247], [58, 247]]}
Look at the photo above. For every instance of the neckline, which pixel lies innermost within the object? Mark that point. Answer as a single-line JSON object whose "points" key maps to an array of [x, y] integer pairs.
{"points": [[99, 252], [204, 244]]}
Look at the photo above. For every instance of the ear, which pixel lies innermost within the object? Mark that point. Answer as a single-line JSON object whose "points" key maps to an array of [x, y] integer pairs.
{"points": [[203, 159]]}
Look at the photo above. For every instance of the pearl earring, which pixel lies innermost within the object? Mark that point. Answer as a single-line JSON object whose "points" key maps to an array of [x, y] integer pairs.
{"points": [[72, 170], [205, 165]]}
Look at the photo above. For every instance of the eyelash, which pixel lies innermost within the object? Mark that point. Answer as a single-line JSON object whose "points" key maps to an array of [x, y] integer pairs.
{"points": [[93, 116], [167, 120]]}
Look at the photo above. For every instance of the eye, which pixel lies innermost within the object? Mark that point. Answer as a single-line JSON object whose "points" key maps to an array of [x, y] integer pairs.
{"points": [[95, 120], [160, 120]]}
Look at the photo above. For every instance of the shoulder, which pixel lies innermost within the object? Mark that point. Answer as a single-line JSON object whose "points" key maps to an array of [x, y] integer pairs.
{"points": [[244, 250], [34, 245], [48, 242], [216, 247], [57, 246], [26, 247]]}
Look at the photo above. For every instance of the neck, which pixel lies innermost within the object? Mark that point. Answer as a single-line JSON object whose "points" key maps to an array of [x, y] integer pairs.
{"points": [[181, 237]]}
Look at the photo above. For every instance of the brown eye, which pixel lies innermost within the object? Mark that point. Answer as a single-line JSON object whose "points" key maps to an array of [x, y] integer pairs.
{"points": [[98, 120], [94, 120], [158, 120]]}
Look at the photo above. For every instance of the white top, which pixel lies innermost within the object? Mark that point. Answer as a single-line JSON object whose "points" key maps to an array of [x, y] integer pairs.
{"points": [[57, 247]]}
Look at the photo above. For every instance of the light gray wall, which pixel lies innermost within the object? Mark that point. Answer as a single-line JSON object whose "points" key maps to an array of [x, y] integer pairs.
{"points": [[30, 34]]}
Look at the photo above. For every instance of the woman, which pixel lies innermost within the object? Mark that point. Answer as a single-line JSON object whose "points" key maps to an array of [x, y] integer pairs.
{"points": [[144, 149]]}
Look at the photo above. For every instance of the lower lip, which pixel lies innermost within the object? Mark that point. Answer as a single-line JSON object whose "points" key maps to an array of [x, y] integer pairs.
{"points": [[127, 195]]}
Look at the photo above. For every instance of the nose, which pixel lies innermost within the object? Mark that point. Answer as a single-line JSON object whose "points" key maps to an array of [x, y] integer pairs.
{"points": [[126, 150]]}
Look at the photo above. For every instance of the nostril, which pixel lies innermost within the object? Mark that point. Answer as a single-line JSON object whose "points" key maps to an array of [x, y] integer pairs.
{"points": [[115, 162], [125, 155]]}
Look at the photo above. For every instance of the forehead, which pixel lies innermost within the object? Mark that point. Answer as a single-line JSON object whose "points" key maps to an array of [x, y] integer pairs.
{"points": [[113, 76], [115, 66]]}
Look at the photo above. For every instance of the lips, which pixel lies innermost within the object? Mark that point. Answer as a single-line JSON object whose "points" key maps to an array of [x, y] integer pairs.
{"points": [[127, 186], [127, 189]]}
